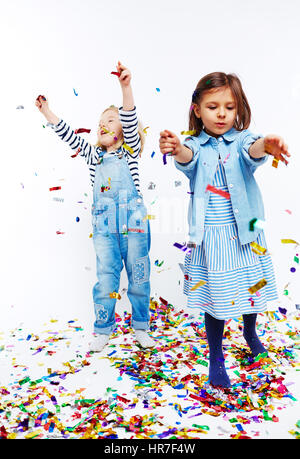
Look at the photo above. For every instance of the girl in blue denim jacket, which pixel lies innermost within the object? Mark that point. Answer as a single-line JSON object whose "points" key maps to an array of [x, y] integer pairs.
{"points": [[121, 231], [228, 272]]}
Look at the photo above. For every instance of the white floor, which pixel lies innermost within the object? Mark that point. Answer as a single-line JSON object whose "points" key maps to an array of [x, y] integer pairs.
{"points": [[33, 354]]}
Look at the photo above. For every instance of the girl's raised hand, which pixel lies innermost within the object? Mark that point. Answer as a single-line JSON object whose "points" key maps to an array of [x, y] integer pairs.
{"points": [[169, 143], [42, 104], [275, 146], [125, 75]]}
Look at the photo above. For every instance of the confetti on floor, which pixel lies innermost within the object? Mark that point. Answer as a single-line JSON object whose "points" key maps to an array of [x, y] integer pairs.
{"points": [[51, 386]]}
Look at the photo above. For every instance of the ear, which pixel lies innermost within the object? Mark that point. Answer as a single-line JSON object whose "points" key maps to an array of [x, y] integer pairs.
{"points": [[197, 111]]}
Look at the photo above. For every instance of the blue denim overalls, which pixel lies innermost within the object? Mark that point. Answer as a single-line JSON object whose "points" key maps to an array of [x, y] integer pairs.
{"points": [[121, 232]]}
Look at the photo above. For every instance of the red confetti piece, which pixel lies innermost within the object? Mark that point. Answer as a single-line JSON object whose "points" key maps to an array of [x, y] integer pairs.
{"points": [[77, 152], [225, 194], [78, 131], [116, 73], [54, 188], [123, 399], [135, 230]]}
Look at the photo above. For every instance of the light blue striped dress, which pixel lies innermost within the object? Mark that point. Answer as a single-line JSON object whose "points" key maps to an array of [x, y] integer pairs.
{"points": [[227, 267]]}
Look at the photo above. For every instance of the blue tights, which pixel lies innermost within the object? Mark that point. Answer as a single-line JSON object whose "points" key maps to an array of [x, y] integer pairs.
{"points": [[214, 333]]}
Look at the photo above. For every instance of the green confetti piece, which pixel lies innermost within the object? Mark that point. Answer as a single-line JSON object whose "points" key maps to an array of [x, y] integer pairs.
{"points": [[233, 420], [261, 356], [266, 416], [200, 427], [85, 400], [23, 381], [203, 362]]}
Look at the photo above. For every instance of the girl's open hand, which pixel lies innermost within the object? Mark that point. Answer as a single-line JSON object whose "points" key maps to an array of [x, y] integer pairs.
{"points": [[275, 146], [125, 75], [169, 143], [42, 104]]}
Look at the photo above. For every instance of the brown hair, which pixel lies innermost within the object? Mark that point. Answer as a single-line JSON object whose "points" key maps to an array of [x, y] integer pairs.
{"points": [[121, 141], [217, 80]]}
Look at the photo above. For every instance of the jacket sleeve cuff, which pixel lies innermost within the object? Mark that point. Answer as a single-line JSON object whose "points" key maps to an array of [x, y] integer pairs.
{"points": [[246, 142], [188, 167]]}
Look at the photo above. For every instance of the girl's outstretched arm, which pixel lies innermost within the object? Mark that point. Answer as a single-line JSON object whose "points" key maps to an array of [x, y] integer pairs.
{"points": [[67, 134], [125, 82], [127, 114], [170, 143], [272, 145], [43, 106]]}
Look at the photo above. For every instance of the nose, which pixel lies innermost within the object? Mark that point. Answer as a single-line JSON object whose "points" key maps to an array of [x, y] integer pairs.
{"points": [[221, 112]]}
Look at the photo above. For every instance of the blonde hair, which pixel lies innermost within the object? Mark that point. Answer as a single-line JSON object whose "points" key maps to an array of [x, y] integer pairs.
{"points": [[121, 141]]}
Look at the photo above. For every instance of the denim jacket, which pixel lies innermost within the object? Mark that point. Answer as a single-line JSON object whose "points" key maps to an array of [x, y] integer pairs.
{"points": [[232, 147]]}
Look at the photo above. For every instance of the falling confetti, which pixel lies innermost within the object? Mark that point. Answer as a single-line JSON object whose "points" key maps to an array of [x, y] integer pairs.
{"points": [[80, 130], [225, 194]]}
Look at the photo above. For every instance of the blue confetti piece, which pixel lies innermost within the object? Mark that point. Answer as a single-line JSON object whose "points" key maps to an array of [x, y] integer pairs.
{"points": [[76, 93], [113, 352]]}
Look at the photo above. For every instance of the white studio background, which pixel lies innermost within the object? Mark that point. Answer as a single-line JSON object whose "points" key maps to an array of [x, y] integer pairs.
{"points": [[55, 47]]}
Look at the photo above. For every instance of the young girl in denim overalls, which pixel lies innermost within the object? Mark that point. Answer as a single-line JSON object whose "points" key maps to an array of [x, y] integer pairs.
{"points": [[228, 248], [121, 231]]}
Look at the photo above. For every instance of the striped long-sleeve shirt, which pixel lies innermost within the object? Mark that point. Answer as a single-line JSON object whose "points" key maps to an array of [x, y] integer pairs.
{"points": [[91, 153]]}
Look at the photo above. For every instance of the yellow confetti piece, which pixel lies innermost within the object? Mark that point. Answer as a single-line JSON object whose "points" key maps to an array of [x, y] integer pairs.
{"points": [[33, 434], [149, 217], [199, 284], [275, 162], [108, 132], [289, 241], [256, 248], [128, 148], [188, 132], [145, 129], [115, 295], [257, 286]]}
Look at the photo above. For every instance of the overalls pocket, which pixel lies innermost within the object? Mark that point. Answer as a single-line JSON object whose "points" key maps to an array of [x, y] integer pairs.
{"points": [[137, 216], [104, 219]]}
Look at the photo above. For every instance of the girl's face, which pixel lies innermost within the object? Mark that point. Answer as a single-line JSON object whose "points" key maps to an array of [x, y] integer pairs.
{"points": [[217, 110], [110, 129]]}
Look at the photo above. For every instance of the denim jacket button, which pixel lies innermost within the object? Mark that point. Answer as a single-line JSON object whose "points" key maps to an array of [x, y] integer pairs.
{"points": [[230, 185], [236, 211]]}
